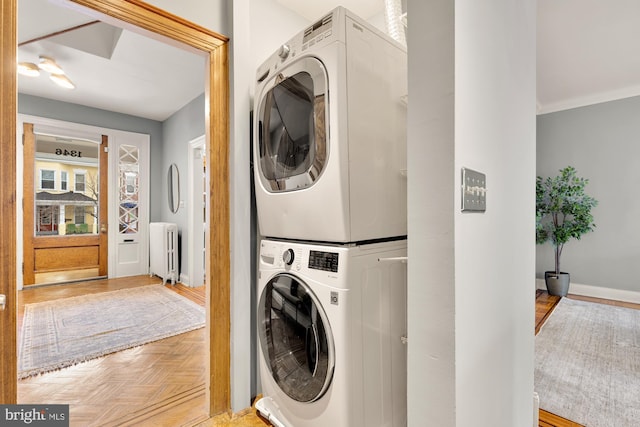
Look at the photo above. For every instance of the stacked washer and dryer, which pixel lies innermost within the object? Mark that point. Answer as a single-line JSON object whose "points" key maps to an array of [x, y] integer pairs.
{"points": [[330, 178]]}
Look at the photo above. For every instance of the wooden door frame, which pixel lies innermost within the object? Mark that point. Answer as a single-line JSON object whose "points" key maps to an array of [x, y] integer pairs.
{"points": [[8, 215], [215, 46]]}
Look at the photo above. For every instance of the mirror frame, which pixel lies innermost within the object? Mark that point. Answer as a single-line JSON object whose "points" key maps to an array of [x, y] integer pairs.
{"points": [[173, 188]]}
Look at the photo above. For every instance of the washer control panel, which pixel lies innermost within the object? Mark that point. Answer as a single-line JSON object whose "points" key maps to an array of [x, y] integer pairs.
{"points": [[293, 256], [325, 261]]}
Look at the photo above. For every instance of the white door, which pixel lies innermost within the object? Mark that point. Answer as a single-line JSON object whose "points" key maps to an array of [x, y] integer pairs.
{"points": [[197, 211], [129, 221]]}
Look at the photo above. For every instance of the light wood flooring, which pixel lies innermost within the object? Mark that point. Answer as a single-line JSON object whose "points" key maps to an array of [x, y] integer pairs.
{"points": [[163, 383], [158, 384]]}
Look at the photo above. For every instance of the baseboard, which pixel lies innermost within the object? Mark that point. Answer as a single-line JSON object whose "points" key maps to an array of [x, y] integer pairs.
{"points": [[598, 292], [184, 279]]}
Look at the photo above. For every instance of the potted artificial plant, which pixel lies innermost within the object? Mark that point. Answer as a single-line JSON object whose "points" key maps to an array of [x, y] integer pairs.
{"points": [[563, 212]]}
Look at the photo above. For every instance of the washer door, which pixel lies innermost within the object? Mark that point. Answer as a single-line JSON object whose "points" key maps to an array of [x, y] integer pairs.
{"points": [[296, 339], [293, 127]]}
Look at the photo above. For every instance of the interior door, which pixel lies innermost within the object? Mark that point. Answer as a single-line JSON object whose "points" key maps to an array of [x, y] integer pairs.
{"points": [[65, 208], [131, 181]]}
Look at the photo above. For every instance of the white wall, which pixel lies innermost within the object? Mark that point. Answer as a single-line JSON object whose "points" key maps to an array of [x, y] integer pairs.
{"points": [[430, 192], [270, 26], [471, 276]]}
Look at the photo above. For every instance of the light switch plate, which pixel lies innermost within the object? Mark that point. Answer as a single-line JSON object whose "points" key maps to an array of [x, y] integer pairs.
{"points": [[474, 191]]}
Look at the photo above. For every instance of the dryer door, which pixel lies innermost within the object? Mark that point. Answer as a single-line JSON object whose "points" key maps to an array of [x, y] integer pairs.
{"points": [[295, 338], [292, 126]]}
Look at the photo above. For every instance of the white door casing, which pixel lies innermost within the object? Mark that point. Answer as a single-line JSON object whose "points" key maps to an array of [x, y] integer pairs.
{"points": [[195, 208]]}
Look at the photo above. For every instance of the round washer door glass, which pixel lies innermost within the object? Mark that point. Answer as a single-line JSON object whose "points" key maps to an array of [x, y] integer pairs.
{"points": [[295, 338], [292, 127]]}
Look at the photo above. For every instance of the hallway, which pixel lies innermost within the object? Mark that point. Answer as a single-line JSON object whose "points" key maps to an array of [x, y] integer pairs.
{"points": [[161, 383]]}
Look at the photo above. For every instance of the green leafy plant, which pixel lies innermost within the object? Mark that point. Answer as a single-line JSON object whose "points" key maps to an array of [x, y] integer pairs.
{"points": [[563, 210]]}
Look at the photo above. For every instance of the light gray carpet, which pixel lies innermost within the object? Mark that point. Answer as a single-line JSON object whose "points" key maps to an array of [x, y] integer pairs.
{"points": [[61, 333], [587, 364]]}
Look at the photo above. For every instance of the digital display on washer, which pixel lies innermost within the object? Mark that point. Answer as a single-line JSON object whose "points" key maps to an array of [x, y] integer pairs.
{"points": [[326, 261]]}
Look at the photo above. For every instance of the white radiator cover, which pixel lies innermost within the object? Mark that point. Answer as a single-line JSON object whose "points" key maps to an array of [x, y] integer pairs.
{"points": [[163, 251]]}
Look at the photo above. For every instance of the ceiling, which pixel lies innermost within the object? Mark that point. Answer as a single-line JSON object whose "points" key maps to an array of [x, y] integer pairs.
{"points": [[588, 51], [113, 69]]}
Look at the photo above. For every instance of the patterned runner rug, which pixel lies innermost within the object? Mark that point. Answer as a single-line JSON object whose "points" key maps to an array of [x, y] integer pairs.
{"points": [[61, 333], [587, 364]]}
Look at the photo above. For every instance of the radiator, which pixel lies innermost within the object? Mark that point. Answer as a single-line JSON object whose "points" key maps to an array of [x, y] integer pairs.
{"points": [[163, 251]]}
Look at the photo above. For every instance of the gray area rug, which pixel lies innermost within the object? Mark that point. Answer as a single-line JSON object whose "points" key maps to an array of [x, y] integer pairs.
{"points": [[587, 364], [61, 333]]}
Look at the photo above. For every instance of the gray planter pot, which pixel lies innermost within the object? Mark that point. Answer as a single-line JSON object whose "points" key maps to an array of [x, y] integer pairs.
{"points": [[557, 284]]}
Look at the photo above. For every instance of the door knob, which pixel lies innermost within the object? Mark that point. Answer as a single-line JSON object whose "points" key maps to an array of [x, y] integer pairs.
{"points": [[103, 228], [3, 301]]}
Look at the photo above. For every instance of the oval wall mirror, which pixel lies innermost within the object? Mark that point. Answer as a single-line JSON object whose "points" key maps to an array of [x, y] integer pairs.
{"points": [[173, 179]]}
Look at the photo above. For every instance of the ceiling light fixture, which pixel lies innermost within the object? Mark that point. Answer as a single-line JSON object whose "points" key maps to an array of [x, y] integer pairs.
{"points": [[62, 81], [49, 65], [28, 69]]}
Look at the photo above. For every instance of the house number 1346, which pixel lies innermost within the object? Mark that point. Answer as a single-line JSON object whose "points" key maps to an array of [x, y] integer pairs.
{"points": [[72, 153]]}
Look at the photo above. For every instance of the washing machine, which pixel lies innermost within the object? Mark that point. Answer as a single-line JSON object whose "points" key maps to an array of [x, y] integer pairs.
{"points": [[332, 334], [330, 134]]}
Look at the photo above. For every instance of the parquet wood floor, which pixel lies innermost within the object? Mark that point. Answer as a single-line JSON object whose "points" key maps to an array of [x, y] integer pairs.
{"points": [[158, 384]]}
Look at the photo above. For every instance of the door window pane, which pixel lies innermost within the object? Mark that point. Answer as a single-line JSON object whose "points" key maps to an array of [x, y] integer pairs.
{"points": [[76, 162], [128, 173]]}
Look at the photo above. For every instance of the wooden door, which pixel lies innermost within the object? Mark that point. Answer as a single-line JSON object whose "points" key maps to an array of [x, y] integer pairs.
{"points": [[65, 208]]}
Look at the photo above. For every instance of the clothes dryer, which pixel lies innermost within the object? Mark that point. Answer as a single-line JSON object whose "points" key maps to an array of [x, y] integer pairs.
{"points": [[331, 327], [330, 134]]}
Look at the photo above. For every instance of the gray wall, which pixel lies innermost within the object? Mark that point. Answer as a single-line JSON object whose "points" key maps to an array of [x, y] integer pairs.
{"points": [[74, 113], [178, 130], [601, 142]]}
